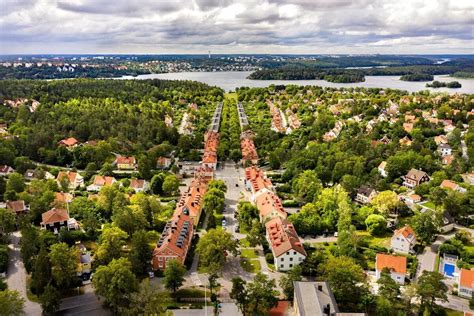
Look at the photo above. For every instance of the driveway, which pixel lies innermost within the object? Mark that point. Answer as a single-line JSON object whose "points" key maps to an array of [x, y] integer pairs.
{"points": [[16, 277]]}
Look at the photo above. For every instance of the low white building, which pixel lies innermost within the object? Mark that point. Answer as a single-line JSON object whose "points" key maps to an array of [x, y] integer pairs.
{"points": [[445, 150], [99, 182], [403, 240], [139, 185], [397, 265], [6, 170], [466, 283], [286, 246], [381, 169], [365, 194]]}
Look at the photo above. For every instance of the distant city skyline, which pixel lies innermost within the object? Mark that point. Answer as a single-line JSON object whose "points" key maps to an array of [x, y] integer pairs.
{"points": [[227, 27]]}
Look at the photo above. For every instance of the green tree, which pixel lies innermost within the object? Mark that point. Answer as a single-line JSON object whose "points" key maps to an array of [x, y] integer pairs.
{"points": [[130, 218], [307, 186], [156, 184], [110, 244], [12, 303], [217, 184], [212, 248], [286, 281], [30, 245], [42, 272], [247, 212], [261, 295], [426, 225], [174, 275], [385, 202], [15, 183], [376, 224], [50, 299], [437, 196], [170, 184], [431, 288], [214, 201], [239, 292], [346, 238], [7, 222], [63, 264], [110, 198], [147, 301], [274, 161], [346, 278], [140, 255], [116, 283], [388, 288]]}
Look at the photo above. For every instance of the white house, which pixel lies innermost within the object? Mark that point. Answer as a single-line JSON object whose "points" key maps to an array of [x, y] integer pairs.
{"points": [[381, 169], [403, 240], [75, 179], [445, 150], [365, 194], [466, 283], [6, 170], [139, 185], [286, 246], [100, 182], [397, 265]]}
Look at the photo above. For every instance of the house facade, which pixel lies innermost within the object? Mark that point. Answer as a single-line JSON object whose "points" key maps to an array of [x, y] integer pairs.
{"points": [[396, 264], [126, 163], [286, 246], [414, 178], [57, 218], [99, 182], [403, 240], [365, 194], [139, 185], [6, 170], [74, 178]]}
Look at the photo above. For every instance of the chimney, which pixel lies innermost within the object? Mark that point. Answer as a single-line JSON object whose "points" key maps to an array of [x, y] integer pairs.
{"points": [[320, 288], [327, 310]]}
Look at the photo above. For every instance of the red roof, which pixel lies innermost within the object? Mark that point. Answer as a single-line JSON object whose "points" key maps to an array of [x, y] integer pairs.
{"points": [[191, 200], [406, 232], [267, 202], [283, 237], [54, 215], [396, 264], [71, 175], [16, 206], [257, 179], [125, 160], [466, 278], [103, 180], [249, 152], [68, 142], [137, 183]]}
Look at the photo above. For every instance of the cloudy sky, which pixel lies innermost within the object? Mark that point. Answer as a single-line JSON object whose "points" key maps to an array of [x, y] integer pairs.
{"points": [[231, 26]]}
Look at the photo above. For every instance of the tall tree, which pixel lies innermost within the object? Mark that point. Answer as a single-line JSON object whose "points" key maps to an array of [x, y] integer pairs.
{"points": [[63, 264], [431, 288], [50, 299], [11, 303], [30, 245], [261, 295], [388, 288], [148, 300], [174, 275], [7, 222], [116, 283], [110, 243], [170, 184], [213, 248], [385, 202], [426, 225], [286, 281], [42, 272], [15, 183], [307, 186], [140, 255]]}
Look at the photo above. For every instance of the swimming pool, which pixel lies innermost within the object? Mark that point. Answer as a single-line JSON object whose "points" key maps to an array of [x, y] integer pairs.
{"points": [[449, 269]]}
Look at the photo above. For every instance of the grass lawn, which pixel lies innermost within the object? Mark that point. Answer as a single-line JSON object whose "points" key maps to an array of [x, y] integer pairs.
{"points": [[380, 241], [249, 253], [244, 243], [450, 312], [428, 204], [250, 265], [231, 96], [190, 292]]}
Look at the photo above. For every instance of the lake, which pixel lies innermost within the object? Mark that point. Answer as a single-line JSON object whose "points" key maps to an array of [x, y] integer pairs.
{"points": [[229, 80]]}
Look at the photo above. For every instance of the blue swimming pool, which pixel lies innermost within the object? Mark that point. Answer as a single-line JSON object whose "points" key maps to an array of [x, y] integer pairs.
{"points": [[449, 269]]}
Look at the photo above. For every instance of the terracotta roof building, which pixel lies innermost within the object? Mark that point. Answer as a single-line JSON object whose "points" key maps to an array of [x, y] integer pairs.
{"points": [[415, 177], [403, 240], [286, 246], [396, 264], [18, 207], [255, 180], [57, 218], [269, 206], [126, 162], [74, 178], [99, 182], [249, 152], [69, 142], [466, 283], [190, 202], [174, 242]]}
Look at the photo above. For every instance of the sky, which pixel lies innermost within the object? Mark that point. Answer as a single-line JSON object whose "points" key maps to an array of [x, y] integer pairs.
{"points": [[228, 26]]}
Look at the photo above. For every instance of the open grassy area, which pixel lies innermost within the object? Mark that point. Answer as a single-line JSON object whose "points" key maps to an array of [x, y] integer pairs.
{"points": [[450, 312], [244, 243], [231, 96], [375, 241], [250, 265], [249, 253]]}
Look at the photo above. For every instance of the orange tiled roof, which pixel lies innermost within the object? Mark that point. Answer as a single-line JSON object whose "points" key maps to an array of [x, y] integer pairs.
{"points": [[16, 206], [257, 179], [68, 142], [249, 152], [103, 180], [466, 278], [191, 200], [448, 184], [71, 175], [137, 183], [267, 202], [406, 232], [396, 264], [63, 197], [283, 237], [54, 215], [125, 160]]}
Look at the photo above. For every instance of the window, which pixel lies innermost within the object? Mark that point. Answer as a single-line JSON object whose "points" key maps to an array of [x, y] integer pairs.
{"points": [[291, 265], [281, 265], [288, 253], [294, 252], [291, 259], [301, 259], [282, 259]]}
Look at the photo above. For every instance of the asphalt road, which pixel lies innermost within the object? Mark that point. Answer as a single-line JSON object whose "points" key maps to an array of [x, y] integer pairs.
{"points": [[16, 277]]}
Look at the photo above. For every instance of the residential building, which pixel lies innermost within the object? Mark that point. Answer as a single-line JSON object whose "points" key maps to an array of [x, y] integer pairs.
{"points": [[447, 160], [466, 283], [396, 264], [75, 179], [139, 185], [84, 262], [450, 185], [211, 142], [204, 172], [126, 162], [403, 240], [405, 141], [100, 182], [61, 199], [441, 139], [468, 178], [249, 152], [381, 169], [6, 170], [445, 150], [174, 242], [190, 202], [70, 142], [408, 127], [163, 162], [269, 206], [365, 194], [414, 178], [286, 246], [315, 299], [255, 180], [18, 207], [57, 218]]}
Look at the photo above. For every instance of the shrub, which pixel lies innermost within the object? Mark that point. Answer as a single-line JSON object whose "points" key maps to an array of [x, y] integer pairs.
{"points": [[269, 258]]}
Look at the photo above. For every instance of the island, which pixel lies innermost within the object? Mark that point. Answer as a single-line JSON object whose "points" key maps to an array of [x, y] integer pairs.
{"points": [[417, 77], [438, 84], [330, 75]]}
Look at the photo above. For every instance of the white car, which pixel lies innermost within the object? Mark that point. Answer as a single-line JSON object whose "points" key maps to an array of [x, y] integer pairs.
{"points": [[224, 222]]}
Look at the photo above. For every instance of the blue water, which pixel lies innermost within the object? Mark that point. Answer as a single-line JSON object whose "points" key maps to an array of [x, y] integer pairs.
{"points": [[449, 269]]}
